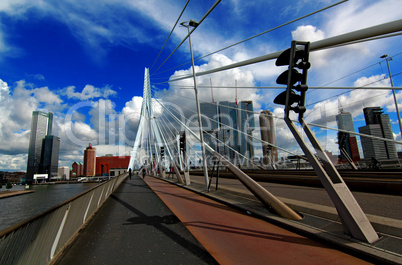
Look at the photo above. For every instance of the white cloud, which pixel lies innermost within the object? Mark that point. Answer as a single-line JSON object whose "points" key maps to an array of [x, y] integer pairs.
{"points": [[181, 92], [89, 92]]}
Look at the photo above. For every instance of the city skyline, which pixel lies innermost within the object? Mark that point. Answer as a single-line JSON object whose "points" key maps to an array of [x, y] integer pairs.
{"points": [[85, 62]]}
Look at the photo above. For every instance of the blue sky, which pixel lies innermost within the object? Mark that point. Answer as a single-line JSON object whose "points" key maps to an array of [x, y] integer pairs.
{"points": [[85, 59]]}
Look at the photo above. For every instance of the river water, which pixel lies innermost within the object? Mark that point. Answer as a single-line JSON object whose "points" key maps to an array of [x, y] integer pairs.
{"points": [[19, 208]]}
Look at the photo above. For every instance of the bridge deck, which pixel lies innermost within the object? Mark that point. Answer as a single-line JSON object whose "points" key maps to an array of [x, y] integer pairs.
{"points": [[136, 227]]}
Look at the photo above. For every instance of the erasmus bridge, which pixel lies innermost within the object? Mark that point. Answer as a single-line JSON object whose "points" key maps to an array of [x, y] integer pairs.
{"points": [[187, 202]]}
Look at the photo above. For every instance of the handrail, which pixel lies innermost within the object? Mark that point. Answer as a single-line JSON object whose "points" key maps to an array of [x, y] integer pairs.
{"points": [[39, 240]]}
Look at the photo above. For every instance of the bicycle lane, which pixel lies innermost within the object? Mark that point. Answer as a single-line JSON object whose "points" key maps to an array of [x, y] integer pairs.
{"points": [[232, 237]]}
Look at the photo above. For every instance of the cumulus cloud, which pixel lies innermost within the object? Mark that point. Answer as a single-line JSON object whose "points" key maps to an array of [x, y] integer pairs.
{"points": [[89, 92], [223, 81]]}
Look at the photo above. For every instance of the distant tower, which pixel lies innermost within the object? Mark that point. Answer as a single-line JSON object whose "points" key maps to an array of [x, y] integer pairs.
{"points": [[210, 126], [377, 124], [89, 161], [50, 155], [41, 125], [246, 126], [270, 153], [347, 142], [228, 134]]}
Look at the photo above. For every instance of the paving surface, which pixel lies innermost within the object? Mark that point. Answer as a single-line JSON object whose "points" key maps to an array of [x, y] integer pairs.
{"points": [[135, 227]]}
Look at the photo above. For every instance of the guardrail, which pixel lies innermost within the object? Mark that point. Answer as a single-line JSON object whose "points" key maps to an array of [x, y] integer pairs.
{"points": [[41, 239]]}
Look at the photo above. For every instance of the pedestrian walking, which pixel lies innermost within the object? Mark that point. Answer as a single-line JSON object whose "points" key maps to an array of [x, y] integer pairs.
{"points": [[143, 173], [129, 173]]}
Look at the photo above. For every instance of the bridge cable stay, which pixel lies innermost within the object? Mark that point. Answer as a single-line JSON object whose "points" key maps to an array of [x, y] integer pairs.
{"points": [[172, 159], [166, 126], [182, 160], [225, 145], [257, 35], [262, 194], [190, 143], [191, 31], [311, 124], [243, 133], [171, 31]]}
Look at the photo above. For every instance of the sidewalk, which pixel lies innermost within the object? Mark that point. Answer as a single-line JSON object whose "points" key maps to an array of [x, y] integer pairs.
{"points": [[135, 227], [150, 223]]}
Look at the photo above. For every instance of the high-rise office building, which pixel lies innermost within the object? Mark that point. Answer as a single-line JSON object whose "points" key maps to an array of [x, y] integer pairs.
{"points": [[347, 142], [50, 155], [377, 124], [269, 152], [89, 161], [246, 126], [228, 118], [221, 125], [41, 125], [210, 126]]}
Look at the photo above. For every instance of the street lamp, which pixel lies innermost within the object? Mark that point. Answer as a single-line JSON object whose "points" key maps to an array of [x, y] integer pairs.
{"points": [[194, 24], [388, 58]]}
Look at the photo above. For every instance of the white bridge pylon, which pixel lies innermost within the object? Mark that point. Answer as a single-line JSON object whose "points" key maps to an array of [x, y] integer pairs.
{"points": [[150, 139]]}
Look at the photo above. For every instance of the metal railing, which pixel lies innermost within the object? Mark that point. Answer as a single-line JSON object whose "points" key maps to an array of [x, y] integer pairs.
{"points": [[41, 239]]}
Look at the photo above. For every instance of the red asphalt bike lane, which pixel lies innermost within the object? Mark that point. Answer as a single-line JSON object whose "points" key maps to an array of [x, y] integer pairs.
{"points": [[232, 237]]}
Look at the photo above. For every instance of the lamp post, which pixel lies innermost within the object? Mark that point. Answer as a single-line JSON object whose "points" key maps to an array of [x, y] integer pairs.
{"points": [[388, 58], [194, 24]]}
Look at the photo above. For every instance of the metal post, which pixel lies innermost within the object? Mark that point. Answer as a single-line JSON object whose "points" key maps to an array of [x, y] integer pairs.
{"points": [[388, 58], [204, 158]]}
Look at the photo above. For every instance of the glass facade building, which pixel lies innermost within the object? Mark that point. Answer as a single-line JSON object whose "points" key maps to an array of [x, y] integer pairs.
{"points": [[222, 123], [346, 141], [41, 125], [50, 155], [377, 124]]}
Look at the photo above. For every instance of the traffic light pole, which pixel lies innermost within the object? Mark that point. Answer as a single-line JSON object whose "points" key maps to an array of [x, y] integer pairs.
{"points": [[353, 218]]}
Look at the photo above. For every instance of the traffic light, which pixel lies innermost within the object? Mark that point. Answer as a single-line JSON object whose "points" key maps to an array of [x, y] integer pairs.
{"points": [[296, 57], [162, 152], [183, 141]]}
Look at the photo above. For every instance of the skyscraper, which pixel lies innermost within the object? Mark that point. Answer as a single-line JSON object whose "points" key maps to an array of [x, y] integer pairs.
{"points": [[41, 125], [89, 161], [270, 153], [50, 155], [347, 142], [246, 126], [228, 118], [210, 126], [377, 124]]}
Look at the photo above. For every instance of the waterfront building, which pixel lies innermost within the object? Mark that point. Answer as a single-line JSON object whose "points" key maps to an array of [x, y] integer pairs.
{"points": [[64, 173], [50, 156], [41, 126], [347, 143], [269, 152], [110, 165], [377, 124], [89, 161]]}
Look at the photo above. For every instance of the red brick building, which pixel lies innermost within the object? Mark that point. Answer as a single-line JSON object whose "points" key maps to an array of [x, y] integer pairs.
{"points": [[105, 163], [77, 169], [89, 161]]}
